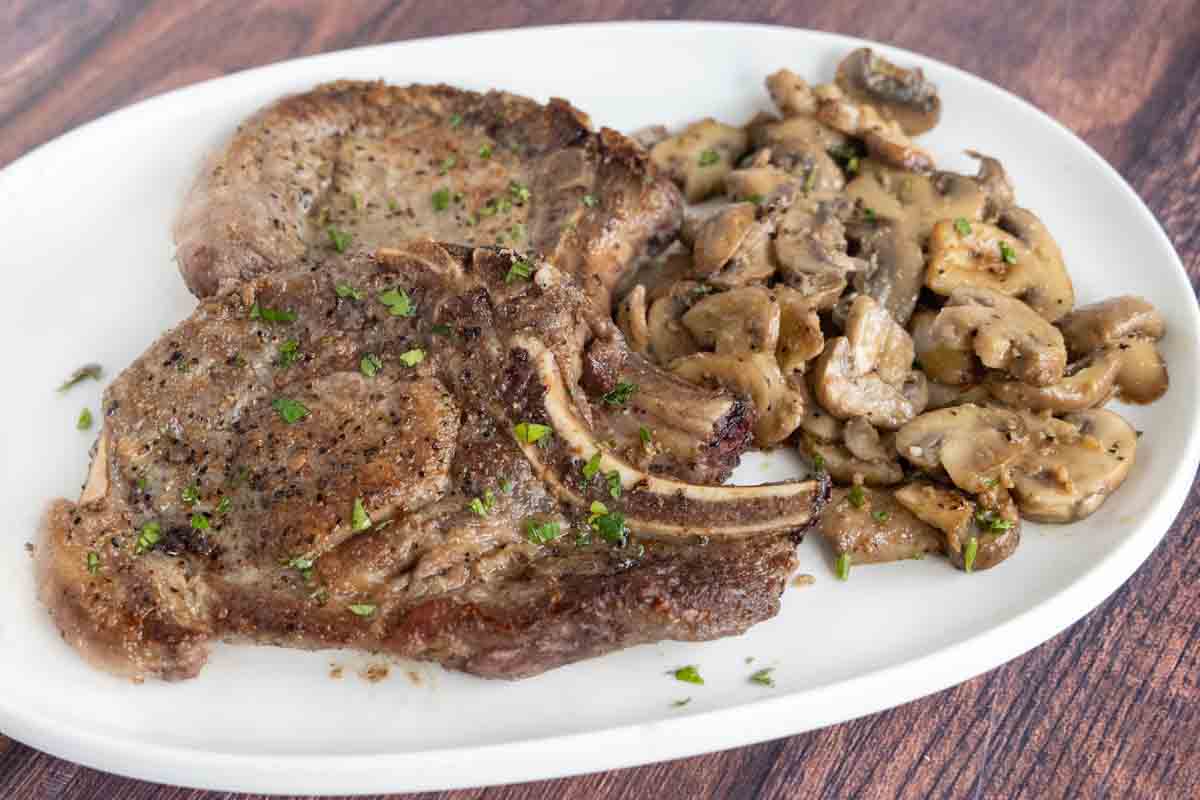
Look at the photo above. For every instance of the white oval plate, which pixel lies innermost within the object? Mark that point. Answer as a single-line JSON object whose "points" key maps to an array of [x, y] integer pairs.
{"points": [[88, 261]]}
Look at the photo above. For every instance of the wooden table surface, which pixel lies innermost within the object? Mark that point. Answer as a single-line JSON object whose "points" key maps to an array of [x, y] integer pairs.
{"points": [[1109, 708]]}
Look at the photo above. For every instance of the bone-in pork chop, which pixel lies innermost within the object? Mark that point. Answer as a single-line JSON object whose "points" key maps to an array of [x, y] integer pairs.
{"points": [[398, 452], [354, 165]]}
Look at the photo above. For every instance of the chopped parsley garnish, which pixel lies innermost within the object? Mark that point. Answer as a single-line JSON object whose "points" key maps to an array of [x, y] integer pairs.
{"points": [[517, 231], [199, 522], [869, 213], [757, 199], [962, 226], [355, 201], [991, 522], [609, 524], [441, 199], [709, 157], [519, 192], [519, 271], [290, 411], [881, 516], [847, 156], [456, 120], [142, 483], [590, 200], [347, 291], [483, 505], [410, 358], [271, 314], [592, 466], [688, 674], [370, 365], [613, 479], [289, 353], [1007, 253], [224, 506], [818, 463], [93, 563], [189, 494], [363, 609], [645, 435], [84, 422], [856, 496], [620, 393], [359, 521], [485, 151], [448, 164], [541, 533], [497, 205], [149, 535], [842, 567], [680, 703], [302, 564], [441, 330], [338, 238], [530, 432], [398, 302], [393, 205], [969, 553], [506, 485], [763, 677], [86, 372], [810, 180]]}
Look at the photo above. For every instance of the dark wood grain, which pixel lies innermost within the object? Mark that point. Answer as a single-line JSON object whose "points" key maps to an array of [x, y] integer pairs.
{"points": [[1109, 708]]}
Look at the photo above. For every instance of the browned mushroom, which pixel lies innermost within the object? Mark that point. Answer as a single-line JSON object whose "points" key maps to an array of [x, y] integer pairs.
{"points": [[778, 400], [1073, 465], [884, 138], [699, 158], [1025, 263], [978, 534], [745, 320], [899, 94], [1004, 333], [868, 372], [974, 445], [868, 526], [1122, 330]]}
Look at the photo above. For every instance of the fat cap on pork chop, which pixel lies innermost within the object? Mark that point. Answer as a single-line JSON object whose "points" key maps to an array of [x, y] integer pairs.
{"points": [[395, 453]]}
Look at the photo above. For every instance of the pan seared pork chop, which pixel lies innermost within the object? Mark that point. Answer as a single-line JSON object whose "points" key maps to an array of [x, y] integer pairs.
{"points": [[351, 166], [397, 453], [355, 165]]}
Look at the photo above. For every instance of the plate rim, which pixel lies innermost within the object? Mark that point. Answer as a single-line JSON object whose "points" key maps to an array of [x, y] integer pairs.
{"points": [[538, 758]]}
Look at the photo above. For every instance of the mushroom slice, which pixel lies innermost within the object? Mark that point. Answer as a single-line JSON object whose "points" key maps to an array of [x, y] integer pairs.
{"points": [[868, 372], [975, 445], [699, 158], [963, 253], [1074, 465], [902, 95], [869, 527], [884, 138], [786, 136], [1091, 327], [745, 320], [751, 262], [778, 401], [1142, 377], [943, 396], [660, 274], [1004, 333], [993, 179], [791, 94], [800, 336], [992, 524], [757, 184], [863, 441], [1087, 384], [668, 337], [896, 269], [940, 363], [917, 202], [719, 236], [844, 467], [810, 239], [631, 319]]}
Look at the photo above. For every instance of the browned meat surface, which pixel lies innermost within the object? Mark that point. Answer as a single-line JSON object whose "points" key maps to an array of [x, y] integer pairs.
{"points": [[353, 166], [353, 456]]}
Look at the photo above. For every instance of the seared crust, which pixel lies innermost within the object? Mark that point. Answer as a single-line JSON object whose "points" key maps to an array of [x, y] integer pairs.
{"points": [[367, 159], [255, 515]]}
